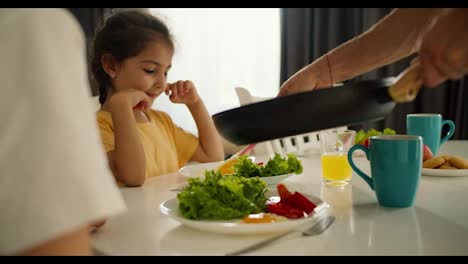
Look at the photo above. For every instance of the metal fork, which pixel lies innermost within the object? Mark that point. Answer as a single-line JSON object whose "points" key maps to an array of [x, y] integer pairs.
{"points": [[316, 229]]}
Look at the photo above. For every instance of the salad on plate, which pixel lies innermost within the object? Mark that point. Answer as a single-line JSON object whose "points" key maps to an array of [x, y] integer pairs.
{"points": [[237, 205], [272, 172]]}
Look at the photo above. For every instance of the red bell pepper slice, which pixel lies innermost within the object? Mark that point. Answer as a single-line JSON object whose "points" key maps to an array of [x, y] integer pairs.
{"points": [[295, 200], [299, 201], [283, 191], [285, 210]]}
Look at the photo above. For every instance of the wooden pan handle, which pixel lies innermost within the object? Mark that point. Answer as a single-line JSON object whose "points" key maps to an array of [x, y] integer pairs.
{"points": [[407, 84]]}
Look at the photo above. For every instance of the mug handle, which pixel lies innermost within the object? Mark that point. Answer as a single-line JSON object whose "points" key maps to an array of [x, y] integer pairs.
{"points": [[451, 130], [356, 169]]}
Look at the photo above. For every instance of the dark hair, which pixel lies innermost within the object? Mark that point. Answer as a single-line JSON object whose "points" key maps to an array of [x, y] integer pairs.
{"points": [[123, 35]]}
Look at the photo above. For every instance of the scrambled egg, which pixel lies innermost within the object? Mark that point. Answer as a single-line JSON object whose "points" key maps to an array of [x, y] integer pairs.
{"points": [[228, 166], [263, 218]]}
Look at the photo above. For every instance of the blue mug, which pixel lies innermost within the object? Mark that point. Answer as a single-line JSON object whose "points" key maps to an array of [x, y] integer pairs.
{"points": [[429, 127], [395, 162]]}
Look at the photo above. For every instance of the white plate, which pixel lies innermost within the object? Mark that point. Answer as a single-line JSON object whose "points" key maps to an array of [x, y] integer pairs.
{"points": [[444, 173], [198, 171], [273, 180], [235, 226]]}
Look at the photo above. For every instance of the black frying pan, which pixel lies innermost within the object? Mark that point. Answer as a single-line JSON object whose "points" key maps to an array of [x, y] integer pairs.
{"points": [[316, 110]]}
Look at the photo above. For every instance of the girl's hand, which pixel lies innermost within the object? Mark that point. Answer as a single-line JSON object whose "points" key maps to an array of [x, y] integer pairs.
{"points": [[134, 98], [182, 92]]}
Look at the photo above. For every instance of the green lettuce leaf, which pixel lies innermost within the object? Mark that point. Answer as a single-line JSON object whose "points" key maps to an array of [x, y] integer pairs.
{"points": [[222, 197], [362, 135], [389, 131], [277, 165]]}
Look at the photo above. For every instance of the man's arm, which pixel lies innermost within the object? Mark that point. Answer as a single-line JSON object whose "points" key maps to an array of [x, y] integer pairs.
{"points": [[392, 38]]}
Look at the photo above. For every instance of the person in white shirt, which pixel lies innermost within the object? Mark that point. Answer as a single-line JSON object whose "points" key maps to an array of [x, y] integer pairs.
{"points": [[54, 176]]}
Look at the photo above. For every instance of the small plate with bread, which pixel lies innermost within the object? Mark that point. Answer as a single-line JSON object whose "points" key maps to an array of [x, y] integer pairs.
{"points": [[445, 165]]}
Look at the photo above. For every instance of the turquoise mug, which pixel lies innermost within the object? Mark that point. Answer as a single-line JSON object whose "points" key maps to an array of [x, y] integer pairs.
{"points": [[395, 162], [429, 127]]}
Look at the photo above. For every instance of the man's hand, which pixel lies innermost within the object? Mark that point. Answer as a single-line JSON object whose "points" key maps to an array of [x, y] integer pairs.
{"points": [[313, 76], [443, 48]]}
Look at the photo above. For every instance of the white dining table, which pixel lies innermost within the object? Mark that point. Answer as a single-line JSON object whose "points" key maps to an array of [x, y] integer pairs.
{"points": [[437, 224]]}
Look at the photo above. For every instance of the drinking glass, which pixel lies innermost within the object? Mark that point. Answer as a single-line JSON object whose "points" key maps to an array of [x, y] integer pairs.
{"points": [[334, 146]]}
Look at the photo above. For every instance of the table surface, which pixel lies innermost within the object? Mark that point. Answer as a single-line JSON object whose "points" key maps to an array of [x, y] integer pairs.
{"points": [[437, 224]]}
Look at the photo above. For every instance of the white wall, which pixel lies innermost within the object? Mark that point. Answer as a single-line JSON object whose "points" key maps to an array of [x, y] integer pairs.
{"points": [[219, 49]]}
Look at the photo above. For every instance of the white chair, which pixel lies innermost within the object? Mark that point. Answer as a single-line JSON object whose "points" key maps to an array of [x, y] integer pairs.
{"points": [[300, 144]]}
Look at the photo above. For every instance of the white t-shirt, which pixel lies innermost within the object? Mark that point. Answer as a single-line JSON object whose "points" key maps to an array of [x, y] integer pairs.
{"points": [[54, 176]]}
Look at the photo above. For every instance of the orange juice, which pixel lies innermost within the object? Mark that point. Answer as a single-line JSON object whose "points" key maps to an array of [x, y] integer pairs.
{"points": [[335, 167]]}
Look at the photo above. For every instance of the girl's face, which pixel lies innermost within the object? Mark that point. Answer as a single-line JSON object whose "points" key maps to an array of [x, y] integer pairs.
{"points": [[147, 71]]}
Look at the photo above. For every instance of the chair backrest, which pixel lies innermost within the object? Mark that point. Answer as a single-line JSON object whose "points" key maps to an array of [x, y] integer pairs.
{"points": [[299, 144]]}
